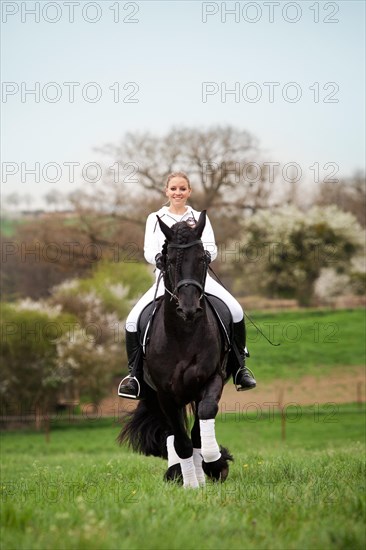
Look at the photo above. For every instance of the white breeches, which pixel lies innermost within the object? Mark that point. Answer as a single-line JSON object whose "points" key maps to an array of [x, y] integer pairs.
{"points": [[211, 287]]}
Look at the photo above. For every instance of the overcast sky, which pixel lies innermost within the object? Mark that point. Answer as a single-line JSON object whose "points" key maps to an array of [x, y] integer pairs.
{"points": [[296, 70]]}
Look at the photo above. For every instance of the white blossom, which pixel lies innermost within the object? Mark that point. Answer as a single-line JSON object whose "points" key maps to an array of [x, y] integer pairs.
{"points": [[118, 290], [40, 306], [330, 284], [65, 286]]}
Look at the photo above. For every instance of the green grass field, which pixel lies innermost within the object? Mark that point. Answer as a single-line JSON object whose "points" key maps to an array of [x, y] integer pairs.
{"points": [[81, 491], [312, 342], [8, 225]]}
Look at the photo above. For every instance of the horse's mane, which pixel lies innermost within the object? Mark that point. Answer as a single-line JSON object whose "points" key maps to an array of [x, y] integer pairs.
{"points": [[181, 235]]}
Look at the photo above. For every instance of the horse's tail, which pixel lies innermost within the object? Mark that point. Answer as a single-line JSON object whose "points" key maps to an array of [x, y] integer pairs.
{"points": [[146, 429]]}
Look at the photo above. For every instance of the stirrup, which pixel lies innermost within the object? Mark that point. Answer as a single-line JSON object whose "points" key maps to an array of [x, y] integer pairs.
{"points": [[128, 395], [240, 388]]}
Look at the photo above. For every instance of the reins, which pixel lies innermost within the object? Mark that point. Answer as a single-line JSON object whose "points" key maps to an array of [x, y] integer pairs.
{"points": [[151, 314], [186, 282], [246, 315]]}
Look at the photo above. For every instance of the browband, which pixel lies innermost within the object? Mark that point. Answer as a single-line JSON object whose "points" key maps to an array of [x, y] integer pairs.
{"points": [[187, 245]]}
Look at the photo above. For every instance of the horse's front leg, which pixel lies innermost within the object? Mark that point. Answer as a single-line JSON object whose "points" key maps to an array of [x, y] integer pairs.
{"points": [[197, 451], [182, 443], [174, 471], [215, 460]]}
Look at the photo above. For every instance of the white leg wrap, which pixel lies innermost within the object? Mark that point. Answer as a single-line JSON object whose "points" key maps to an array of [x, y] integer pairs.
{"points": [[189, 473], [173, 458], [210, 448], [197, 461]]}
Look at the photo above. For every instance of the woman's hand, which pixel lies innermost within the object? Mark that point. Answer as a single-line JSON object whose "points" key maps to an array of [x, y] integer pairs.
{"points": [[207, 257], [159, 261]]}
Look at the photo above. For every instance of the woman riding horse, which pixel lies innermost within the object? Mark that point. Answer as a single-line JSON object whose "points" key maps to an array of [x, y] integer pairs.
{"points": [[178, 189], [181, 369]]}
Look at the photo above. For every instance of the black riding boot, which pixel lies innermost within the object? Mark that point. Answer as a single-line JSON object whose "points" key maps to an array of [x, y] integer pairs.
{"points": [[130, 385], [243, 379]]}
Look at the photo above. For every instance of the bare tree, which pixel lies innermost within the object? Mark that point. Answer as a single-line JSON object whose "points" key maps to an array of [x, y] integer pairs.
{"points": [[349, 194], [222, 162], [54, 198], [13, 199]]}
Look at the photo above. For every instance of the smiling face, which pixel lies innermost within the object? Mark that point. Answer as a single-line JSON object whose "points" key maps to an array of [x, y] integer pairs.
{"points": [[178, 192]]}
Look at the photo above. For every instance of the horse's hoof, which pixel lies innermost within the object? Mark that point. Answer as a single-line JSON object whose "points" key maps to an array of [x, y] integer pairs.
{"points": [[219, 469], [174, 473]]}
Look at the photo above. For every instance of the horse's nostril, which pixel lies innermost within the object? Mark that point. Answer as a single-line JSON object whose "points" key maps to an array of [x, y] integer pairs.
{"points": [[180, 312]]}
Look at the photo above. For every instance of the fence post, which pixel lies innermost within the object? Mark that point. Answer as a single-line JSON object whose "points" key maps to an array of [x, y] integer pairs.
{"points": [[283, 415], [359, 394]]}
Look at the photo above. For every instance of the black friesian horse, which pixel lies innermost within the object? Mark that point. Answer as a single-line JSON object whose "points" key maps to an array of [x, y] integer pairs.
{"points": [[185, 359]]}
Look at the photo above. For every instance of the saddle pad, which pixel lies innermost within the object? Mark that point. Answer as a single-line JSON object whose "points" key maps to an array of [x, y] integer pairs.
{"points": [[219, 308], [144, 321], [223, 315]]}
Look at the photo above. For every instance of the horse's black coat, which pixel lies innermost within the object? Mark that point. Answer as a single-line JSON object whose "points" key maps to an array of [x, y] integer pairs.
{"points": [[185, 357]]}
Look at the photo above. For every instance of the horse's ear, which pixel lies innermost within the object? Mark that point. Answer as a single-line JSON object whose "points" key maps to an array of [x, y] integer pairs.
{"points": [[165, 229], [200, 224]]}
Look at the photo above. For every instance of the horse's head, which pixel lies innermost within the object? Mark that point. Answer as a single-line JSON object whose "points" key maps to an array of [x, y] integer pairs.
{"points": [[185, 266]]}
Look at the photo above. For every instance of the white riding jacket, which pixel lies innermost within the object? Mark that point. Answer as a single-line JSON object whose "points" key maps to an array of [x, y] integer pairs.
{"points": [[154, 240]]}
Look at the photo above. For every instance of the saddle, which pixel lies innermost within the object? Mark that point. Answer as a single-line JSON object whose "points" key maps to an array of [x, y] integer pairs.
{"points": [[221, 313]]}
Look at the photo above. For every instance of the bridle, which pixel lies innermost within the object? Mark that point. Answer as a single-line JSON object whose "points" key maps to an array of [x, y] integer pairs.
{"points": [[185, 282]]}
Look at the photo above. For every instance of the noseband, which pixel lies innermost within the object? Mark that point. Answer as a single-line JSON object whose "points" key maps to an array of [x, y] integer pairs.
{"points": [[186, 282]]}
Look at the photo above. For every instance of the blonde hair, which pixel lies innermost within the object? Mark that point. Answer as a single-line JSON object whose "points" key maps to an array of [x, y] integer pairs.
{"points": [[178, 175]]}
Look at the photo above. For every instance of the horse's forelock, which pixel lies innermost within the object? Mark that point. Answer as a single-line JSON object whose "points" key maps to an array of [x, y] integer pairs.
{"points": [[181, 232]]}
